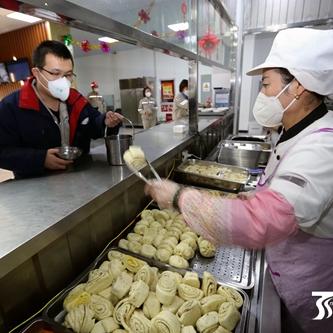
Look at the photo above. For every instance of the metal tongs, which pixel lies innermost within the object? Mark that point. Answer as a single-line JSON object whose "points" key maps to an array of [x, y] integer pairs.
{"points": [[140, 175]]}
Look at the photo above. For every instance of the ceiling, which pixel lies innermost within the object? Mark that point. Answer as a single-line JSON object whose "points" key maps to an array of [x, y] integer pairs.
{"points": [[7, 24]]}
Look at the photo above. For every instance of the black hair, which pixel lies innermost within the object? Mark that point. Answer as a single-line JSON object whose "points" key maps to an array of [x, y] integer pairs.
{"points": [[287, 77], [54, 47], [144, 91], [183, 84]]}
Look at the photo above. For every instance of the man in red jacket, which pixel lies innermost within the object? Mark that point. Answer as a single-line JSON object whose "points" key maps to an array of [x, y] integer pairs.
{"points": [[47, 113]]}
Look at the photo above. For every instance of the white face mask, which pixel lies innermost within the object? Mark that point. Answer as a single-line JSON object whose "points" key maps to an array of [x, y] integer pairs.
{"points": [[268, 110], [185, 92], [58, 88], [148, 94]]}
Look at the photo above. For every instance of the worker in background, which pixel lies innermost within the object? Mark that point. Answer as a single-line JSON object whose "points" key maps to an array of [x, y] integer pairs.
{"points": [[290, 213], [95, 99], [148, 109], [46, 113], [180, 103]]}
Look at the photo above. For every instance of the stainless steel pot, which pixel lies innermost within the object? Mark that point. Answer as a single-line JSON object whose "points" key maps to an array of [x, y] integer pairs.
{"points": [[116, 145]]}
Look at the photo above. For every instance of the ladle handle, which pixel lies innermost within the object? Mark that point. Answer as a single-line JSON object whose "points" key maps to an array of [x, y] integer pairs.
{"points": [[133, 130], [130, 122]]}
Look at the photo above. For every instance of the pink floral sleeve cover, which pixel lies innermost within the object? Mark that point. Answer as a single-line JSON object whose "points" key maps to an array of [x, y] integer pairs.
{"points": [[262, 219]]}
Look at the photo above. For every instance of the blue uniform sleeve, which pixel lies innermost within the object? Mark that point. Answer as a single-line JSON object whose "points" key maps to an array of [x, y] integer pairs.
{"points": [[24, 162]]}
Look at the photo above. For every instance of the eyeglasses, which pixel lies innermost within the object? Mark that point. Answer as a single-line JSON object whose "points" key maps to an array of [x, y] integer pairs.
{"points": [[56, 75]]}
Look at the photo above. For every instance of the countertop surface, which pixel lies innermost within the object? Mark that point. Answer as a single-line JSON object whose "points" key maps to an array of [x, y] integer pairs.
{"points": [[30, 207]]}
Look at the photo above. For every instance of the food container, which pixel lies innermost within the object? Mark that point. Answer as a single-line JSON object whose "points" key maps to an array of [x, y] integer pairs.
{"points": [[179, 128], [116, 145], [239, 153], [212, 175], [260, 140], [69, 152], [56, 313], [249, 138]]}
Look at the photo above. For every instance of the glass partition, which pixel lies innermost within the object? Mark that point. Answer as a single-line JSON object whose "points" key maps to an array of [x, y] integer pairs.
{"points": [[196, 26], [171, 21]]}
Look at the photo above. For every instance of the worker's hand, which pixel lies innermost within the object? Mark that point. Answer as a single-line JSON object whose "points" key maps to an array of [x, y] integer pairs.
{"points": [[162, 192], [53, 162], [112, 119]]}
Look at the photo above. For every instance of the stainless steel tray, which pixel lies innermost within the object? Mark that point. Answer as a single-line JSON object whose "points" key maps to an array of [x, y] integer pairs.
{"points": [[218, 181], [231, 265], [56, 313], [266, 147]]}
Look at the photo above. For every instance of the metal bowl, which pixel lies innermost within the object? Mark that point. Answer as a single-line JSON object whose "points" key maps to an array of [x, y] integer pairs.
{"points": [[69, 153]]}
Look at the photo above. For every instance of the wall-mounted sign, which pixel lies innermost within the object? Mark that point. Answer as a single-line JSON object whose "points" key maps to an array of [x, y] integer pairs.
{"points": [[167, 90]]}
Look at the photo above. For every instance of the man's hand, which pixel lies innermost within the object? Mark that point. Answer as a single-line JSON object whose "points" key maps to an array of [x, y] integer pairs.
{"points": [[112, 119], [53, 162]]}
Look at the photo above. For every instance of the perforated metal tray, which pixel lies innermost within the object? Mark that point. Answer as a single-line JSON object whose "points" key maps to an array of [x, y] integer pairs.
{"points": [[231, 265]]}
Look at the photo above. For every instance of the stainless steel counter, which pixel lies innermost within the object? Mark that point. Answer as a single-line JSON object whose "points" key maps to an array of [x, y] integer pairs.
{"points": [[33, 211]]}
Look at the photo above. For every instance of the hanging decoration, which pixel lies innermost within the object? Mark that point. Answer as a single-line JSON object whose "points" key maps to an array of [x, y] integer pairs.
{"points": [[208, 42], [144, 15], [105, 48], [85, 46], [181, 34], [68, 40]]}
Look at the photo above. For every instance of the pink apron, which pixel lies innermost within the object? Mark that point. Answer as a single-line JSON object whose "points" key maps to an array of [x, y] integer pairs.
{"points": [[300, 265]]}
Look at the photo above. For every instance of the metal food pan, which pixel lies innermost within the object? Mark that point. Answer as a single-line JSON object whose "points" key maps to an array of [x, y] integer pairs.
{"points": [[218, 181], [55, 313], [232, 265], [239, 153], [266, 148], [244, 137]]}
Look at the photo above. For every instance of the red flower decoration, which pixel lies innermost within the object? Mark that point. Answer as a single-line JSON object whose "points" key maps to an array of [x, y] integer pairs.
{"points": [[209, 42], [85, 46], [144, 16], [105, 48]]}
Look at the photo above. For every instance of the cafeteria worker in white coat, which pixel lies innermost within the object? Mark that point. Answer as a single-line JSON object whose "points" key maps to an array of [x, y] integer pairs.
{"points": [[291, 211]]}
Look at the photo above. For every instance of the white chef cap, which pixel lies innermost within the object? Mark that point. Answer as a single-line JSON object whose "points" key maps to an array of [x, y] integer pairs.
{"points": [[307, 54]]}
